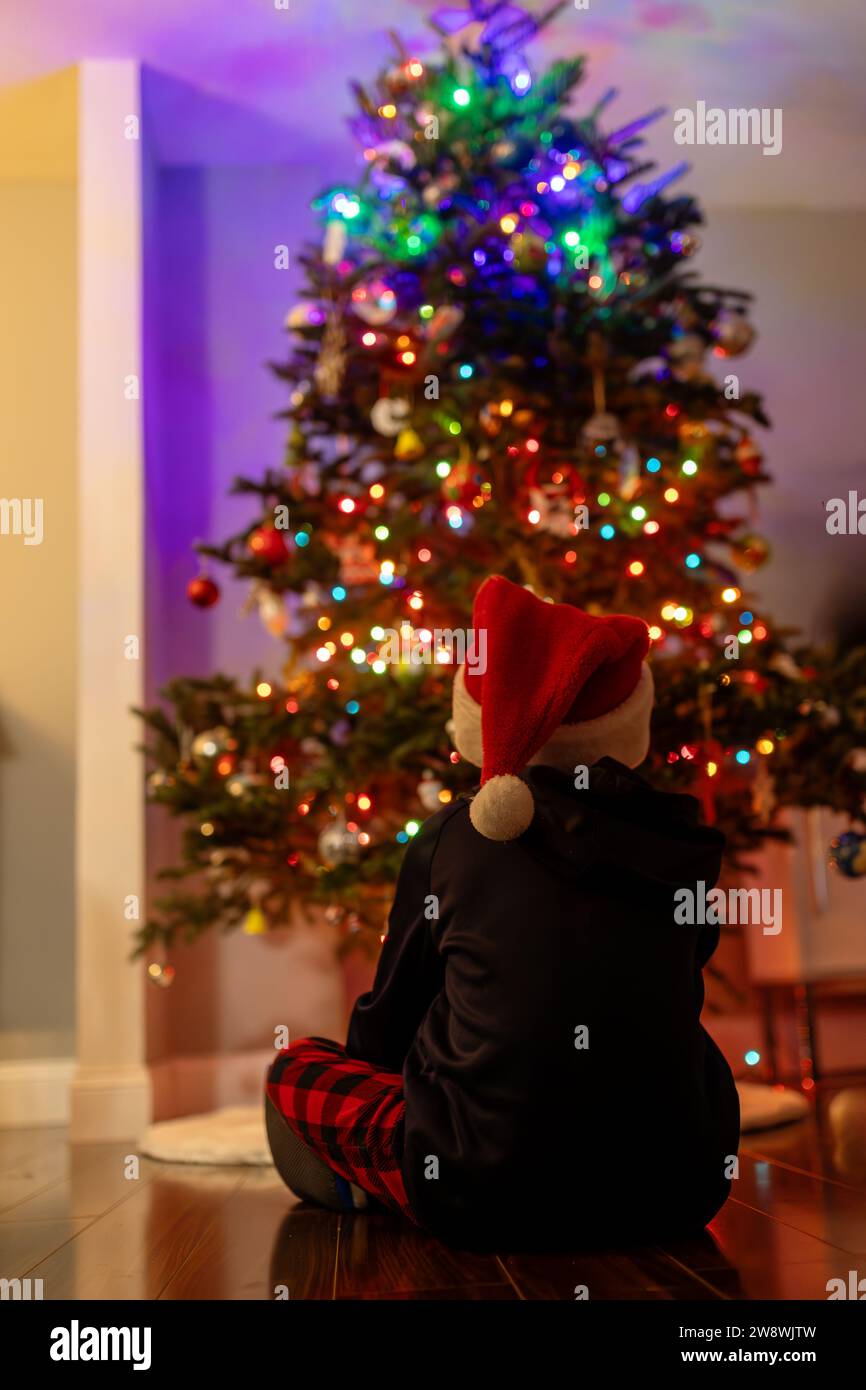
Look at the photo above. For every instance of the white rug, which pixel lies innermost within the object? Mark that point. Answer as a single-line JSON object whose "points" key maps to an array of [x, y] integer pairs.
{"points": [[237, 1133]]}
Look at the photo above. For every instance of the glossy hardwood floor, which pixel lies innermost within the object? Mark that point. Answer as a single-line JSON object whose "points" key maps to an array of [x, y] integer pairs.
{"points": [[71, 1217]]}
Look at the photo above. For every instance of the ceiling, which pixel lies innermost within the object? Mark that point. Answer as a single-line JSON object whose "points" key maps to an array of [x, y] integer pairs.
{"points": [[290, 67]]}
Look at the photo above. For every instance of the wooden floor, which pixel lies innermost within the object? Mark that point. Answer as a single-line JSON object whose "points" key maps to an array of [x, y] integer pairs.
{"points": [[70, 1217]]}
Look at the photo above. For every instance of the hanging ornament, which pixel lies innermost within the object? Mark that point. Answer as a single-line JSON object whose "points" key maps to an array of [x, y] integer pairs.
{"points": [[732, 332], [266, 542], [331, 365], [202, 591], [749, 456], [848, 854], [336, 236], [751, 552], [554, 496], [763, 793], [338, 844], [255, 923], [272, 609], [629, 473], [375, 304], [408, 445], [358, 560], [602, 428], [428, 790], [390, 415], [395, 152], [211, 744], [686, 357]]}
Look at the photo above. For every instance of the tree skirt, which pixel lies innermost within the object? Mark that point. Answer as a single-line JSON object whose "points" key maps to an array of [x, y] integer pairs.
{"points": [[237, 1134]]}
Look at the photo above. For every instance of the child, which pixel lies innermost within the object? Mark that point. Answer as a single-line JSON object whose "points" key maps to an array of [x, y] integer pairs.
{"points": [[529, 1068]]}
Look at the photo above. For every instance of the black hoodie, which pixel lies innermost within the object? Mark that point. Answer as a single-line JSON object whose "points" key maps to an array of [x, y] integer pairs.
{"points": [[543, 1007]]}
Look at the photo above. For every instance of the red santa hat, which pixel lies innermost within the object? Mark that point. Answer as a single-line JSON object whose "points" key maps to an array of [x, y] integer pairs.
{"points": [[548, 683]]}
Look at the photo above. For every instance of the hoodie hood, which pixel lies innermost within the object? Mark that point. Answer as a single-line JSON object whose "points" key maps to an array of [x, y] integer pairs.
{"points": [[622, 823]]}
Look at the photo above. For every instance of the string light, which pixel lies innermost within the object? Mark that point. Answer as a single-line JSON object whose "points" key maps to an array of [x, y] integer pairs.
{"points": [[377, 492], [607, 532], [263, 690], [730, 595], [638, 513], [505, 408], [689, 468], [381, 533], [508, 223], [651, 528], [765, 746], [693, 560], [338, 593], [533, 517], [388, 111], [424, 555], [369, 339], [346, 505], [671, 494], [743, 756], [636, 568], [712, 769], [460, 96], [653, 465]]}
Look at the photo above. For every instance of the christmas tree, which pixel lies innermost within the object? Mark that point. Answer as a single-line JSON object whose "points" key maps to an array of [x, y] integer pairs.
{"points": [[503, 362]]}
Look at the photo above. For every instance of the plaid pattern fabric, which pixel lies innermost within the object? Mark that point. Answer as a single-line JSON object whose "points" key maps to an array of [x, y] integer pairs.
{"points": [[348, 1112]]}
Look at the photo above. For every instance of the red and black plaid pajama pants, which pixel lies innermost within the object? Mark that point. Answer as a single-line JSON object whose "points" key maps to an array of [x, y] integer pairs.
{"points": [[348, 1112]]}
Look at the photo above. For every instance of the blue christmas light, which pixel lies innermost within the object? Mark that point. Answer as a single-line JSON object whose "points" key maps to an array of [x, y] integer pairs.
{"points": [[401, 837], [653, 465], [338, 593], [747, 618], [693, 561], [743, 756], [466, 370], [302, 539], [352, 707], [607, 532]]}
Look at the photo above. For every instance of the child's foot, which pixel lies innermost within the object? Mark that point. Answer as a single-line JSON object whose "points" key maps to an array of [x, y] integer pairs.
{"points": [[304, 1172]]}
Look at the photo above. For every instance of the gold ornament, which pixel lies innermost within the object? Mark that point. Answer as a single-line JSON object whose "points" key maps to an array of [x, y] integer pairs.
{"points": [[408, 446]]}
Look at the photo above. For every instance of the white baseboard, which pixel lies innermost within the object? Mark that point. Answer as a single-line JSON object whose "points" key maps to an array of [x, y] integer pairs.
{"points": [[109, 1103], [35, 1093]]}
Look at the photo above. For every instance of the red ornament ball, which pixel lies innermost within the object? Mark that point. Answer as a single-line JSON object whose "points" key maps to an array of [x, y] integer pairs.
{"points": [[203, 592], [267, 543]]}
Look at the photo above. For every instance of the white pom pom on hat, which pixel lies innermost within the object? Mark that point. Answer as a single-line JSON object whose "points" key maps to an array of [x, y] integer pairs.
{"points": [[554, 681], [503, 808]]}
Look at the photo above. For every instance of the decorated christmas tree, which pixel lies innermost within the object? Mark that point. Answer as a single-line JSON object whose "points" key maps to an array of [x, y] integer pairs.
{"points": [[503, 362]]}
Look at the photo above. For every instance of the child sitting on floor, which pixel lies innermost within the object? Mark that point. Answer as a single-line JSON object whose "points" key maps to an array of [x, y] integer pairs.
{"points": [[529, 1068]]}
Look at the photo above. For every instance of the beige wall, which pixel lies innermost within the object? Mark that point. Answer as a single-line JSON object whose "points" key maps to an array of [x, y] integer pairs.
{"points": [[38, 582]]}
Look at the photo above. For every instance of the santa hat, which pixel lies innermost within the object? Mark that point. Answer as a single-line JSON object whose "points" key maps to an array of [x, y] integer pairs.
{"points": [[547, 683]]}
